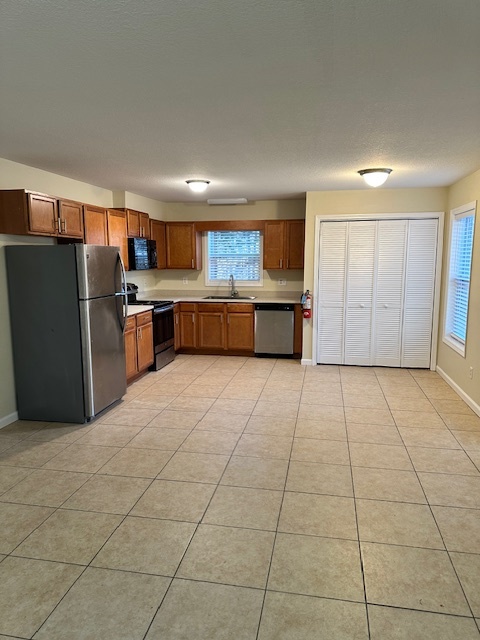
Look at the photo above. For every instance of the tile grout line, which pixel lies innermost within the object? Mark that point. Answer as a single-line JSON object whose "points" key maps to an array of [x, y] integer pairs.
{"points": [[279, 515], [362, 567]]}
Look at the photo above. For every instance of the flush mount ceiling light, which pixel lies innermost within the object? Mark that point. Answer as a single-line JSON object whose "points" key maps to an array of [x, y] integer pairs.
{"points": [[375, 177], [198, 186]]}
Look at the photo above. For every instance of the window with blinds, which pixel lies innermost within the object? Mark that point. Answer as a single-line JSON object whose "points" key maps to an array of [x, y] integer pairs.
{"points": [[236, 253], [461, 249]]}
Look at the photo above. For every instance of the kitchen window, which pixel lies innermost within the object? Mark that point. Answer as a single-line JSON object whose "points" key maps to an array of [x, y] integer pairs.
{"points": [[237, 253], [462, 224]]}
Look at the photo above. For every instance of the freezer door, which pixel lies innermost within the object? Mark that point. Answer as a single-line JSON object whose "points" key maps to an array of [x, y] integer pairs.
{"points": [[103, 349], [99, 271]]}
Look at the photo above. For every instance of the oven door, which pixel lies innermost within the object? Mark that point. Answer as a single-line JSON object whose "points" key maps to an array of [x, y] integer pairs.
{"points": [[163, 328]]}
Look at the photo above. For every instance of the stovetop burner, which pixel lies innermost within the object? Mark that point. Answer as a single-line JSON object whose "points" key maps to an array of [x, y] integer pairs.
{"points": [[157, 304]]}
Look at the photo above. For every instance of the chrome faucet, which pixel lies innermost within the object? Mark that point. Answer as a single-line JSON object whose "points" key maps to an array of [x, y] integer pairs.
{"points": [[231, 282]]}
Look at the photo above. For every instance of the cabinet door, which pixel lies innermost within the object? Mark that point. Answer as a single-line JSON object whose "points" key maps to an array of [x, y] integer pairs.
{"points": [[359, 293], [188, 336], [240, 331], [131, 353], [181, 246], [144, 346], [294, 244], [95, 225], [157, 233], [133, 223], [144, 222], [273, 245], [391, 238], [71, 219], [176, 331], [211, 331], [419, 293], [42, 214], [117, 232]]}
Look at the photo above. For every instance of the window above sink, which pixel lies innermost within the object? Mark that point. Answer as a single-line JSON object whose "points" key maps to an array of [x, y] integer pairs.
{"points": [[237, 253]]}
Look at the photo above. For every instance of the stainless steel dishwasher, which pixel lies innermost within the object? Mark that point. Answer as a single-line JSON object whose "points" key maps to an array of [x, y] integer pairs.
{"points": [[273, 329]]}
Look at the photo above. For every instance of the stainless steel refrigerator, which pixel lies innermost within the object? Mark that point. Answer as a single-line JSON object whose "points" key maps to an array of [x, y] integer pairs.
{"points": [[67, 317]]}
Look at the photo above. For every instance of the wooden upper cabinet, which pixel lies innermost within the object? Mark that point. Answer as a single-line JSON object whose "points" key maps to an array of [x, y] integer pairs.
{"points": [[283, 244], [183, 246], [70, 219], [42, 214], [157, 233], [117, 232], [294, 244], [273, 244], [95, 225], [137, 223]]}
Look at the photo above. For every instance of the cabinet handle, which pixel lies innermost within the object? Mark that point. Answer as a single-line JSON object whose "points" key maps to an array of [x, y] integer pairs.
{"points": [[385, 306], [193, 319], [192, 263], [176, 319], [281, 263], [221, 319], [362, 306], [228, 319], [64, 222], [286, 263]]}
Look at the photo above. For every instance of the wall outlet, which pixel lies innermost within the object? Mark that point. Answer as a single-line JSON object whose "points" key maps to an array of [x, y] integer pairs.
{"points": [[185, 280], [470, 373], [282, 282]]}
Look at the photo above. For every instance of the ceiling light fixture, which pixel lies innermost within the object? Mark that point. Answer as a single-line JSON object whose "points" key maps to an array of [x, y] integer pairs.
{"points": [[198, 186], [375, 177]]}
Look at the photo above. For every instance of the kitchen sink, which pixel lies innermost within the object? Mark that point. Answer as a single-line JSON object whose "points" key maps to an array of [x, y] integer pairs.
{"points": [[229, 298]]}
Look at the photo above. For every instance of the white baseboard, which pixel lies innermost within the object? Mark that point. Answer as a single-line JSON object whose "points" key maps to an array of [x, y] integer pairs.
{"points": [[306, 361], [466, 398], [6, 420]]}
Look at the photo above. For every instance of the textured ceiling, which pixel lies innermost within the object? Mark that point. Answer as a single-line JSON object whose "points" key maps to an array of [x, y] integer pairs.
{"points": [[265, 98]]}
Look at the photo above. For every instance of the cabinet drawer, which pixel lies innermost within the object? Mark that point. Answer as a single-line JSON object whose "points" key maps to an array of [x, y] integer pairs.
{"points": [[187, 306], [239, 307], [130, 323], [211, 307], [143, 318]]}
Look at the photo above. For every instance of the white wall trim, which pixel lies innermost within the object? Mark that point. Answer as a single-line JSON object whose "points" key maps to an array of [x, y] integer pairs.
{"points": [[6, 420], [306, 361], [471, 403], [421, 215]]}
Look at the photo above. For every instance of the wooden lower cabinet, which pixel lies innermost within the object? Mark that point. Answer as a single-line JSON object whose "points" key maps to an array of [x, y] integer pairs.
{"points": [[187, 326], [214, 328], [240, 327], [138, 344]]}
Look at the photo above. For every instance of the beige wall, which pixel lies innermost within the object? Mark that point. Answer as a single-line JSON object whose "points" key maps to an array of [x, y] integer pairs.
{"points": [[339, 203], [451, 362], [18, 176]]}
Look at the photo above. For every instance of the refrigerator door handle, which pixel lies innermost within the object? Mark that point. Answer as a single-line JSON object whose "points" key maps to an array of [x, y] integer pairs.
{"points": [[124, 294]]}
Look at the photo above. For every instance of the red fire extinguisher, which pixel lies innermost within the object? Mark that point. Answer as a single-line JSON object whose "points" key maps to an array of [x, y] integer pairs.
{"points": [[306, 301]]}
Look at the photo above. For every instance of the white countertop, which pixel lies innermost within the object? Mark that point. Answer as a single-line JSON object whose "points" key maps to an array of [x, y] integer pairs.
{"points": [[289, 297], [138, 308]]}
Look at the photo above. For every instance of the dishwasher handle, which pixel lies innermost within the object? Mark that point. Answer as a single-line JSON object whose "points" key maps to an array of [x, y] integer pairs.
{"points": [[274, 306]]}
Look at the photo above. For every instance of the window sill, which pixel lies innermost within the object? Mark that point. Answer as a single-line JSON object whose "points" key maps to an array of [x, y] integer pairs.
{"points": [[455, 345]]}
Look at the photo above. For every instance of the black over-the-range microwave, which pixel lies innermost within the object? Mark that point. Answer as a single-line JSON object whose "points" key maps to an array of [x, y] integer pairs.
{"points": [[142, 254]]}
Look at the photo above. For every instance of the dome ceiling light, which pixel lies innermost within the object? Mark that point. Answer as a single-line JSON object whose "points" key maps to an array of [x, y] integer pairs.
{"points": [[198, 186], [375, 177]]}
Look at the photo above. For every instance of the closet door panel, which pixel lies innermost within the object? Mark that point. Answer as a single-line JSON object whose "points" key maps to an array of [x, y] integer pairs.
{"points": [[419, 293], [389, 292], [361, 266], [331, 292]]}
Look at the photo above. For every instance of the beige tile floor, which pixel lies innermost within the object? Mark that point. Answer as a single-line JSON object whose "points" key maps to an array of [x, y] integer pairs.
{"points": [[247, 499]]}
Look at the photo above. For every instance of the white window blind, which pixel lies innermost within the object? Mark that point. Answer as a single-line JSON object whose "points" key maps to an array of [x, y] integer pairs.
{"points": [[461, 247], [234, 252]]}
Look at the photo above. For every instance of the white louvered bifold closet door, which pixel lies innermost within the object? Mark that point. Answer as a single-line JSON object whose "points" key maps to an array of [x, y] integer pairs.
{"points": [[419, 293], [333, 246], [359, 292], [391, 242]]}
